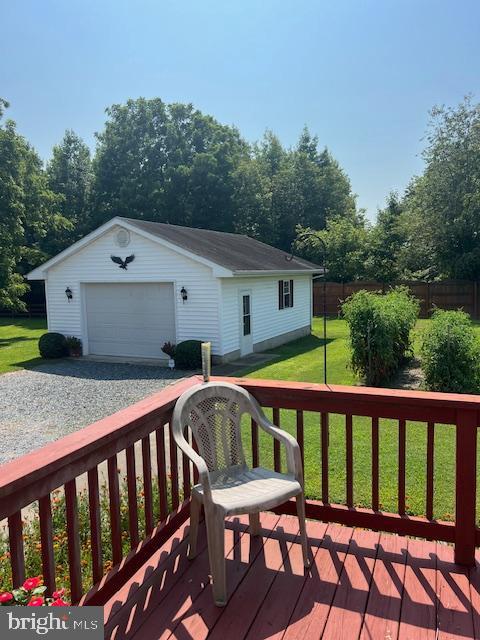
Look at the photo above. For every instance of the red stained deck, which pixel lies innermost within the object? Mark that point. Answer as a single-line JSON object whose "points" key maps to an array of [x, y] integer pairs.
{"points": [[361, 584]]}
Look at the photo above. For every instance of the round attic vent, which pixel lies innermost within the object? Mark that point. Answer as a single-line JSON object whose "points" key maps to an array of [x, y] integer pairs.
{"points": [[122, 238]]}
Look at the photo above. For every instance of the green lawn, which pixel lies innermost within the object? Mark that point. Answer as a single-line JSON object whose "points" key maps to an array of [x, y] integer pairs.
{"points": [[19, 342], [303, 360]]}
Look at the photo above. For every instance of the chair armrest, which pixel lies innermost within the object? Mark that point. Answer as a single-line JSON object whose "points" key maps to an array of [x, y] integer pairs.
{"points": [[294, 457], [199, 462]]}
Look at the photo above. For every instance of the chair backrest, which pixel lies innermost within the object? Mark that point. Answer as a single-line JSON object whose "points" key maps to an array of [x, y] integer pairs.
{"points": [[214, 411]]}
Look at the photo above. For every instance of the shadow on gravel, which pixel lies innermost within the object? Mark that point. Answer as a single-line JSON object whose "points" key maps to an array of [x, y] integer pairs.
{"points": [[102, 370]]}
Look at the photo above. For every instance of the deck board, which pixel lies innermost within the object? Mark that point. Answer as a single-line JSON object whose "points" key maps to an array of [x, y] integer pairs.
{"points": [[361, 584], [351, 597], [454, 611], [419, 603], [382, 616]]}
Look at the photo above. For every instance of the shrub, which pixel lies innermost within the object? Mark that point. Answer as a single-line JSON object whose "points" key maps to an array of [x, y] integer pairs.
{"points": [[380, 327], [74, 345], [53, 345], [451, 353], [188, 355], [169, 349]]}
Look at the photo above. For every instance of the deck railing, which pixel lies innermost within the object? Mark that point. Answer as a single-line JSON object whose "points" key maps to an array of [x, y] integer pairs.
{"points": [[140, 435], [134, 433]]}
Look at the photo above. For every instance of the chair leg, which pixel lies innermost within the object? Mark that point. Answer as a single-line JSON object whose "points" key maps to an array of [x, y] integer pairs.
{"points": [[216, 551], [255, 526], [195, 508], [303, 529]]}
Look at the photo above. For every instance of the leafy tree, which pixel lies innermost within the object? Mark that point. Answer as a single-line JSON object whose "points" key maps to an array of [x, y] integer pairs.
{"points": [[252, 201], [347, 246], [70, 176], [307, 187], [167, 163], [386, 241], [27, 212], [448, 195]]}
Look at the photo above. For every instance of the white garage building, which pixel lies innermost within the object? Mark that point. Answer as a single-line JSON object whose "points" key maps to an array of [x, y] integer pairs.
{"points": [[131, 285]]}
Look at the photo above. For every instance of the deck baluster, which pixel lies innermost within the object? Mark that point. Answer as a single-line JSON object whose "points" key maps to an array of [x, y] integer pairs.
{"points": [[402, 436], [114, 499], [173, 469], [186, 482], [132, 497], [17, 558], [276, 444], [324, 424], [255, 453], [349, 458], [147, 484], [95, 524], [430, 469], [73, 539], [375, 465], [46, 538], [300, 436], [161, 472]]}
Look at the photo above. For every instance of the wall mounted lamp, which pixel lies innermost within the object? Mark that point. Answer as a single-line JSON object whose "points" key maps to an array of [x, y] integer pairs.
{"points": [[69, 293], [184, 294]]}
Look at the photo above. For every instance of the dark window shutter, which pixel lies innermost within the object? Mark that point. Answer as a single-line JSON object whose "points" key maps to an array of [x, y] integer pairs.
{"points": [[291, 293], [280, 294]]}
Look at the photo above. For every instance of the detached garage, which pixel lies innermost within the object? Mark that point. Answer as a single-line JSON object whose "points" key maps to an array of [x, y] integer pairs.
{"points": [[132, 285]]}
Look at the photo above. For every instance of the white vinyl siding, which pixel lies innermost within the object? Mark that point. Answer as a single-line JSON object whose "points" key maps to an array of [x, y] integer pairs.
{"points": [[197, 318], [267, 320]]}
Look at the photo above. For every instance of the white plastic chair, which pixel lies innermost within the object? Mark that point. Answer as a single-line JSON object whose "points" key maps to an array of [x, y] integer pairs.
{"points": [[227, 486]]}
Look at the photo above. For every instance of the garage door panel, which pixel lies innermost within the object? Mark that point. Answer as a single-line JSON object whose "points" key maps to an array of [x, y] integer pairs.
{"points": [[125, 321], [131, 319]]}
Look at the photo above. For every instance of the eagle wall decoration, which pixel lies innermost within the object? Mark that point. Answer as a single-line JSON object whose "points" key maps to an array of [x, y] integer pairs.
{"points": [[122, 264]]}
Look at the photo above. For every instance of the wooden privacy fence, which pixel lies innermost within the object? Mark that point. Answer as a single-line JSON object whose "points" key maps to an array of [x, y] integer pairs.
{"points": [[35, 476], [449, 294]]}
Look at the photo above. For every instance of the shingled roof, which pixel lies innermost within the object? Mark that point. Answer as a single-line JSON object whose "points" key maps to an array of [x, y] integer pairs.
{"points": [[234, 251]]}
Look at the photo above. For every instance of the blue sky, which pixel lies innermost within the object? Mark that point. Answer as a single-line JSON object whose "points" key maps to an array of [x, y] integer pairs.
{"points": [[361, 74]]}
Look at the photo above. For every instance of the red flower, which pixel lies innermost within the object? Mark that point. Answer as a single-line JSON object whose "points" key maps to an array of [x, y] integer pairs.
{"points": [[59, 603], [58, 594], [36, 602], [31, 583], [6, 597]]}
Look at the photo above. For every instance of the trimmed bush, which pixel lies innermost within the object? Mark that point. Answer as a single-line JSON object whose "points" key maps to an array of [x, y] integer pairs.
{"points": [[451, 353], [188, 355], [53, 345], [380, 327]]}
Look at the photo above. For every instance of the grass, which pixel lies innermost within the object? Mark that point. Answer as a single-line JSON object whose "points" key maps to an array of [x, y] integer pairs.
{"points": [[302, 360], [19, 342]]}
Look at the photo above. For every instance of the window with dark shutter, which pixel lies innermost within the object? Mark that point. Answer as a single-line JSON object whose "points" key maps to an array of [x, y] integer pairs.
{"points": [[285, 294]]}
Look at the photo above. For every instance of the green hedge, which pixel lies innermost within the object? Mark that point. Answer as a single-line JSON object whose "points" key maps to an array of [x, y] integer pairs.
{"points": [[188, 355], [380, 327], [451, 353]]}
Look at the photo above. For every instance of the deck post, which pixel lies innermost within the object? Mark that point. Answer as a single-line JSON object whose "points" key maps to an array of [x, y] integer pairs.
{"points": [[465, 488]]}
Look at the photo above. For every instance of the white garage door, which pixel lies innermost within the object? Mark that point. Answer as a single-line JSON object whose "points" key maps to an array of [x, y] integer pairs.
{"points": [[129, 319]]}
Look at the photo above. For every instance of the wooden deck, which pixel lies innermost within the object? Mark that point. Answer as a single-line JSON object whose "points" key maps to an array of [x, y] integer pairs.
{"points": [[361, 584]]}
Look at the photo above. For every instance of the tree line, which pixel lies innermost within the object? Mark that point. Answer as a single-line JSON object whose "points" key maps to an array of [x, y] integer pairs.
{"points": [[431, 231], [172, 163]]}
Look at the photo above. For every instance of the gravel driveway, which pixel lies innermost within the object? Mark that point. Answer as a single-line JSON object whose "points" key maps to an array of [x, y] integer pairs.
{"points": [[46, 403]]}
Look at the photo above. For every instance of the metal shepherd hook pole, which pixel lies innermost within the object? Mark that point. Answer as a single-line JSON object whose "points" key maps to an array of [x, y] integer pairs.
{"points": [[324, 262]]}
